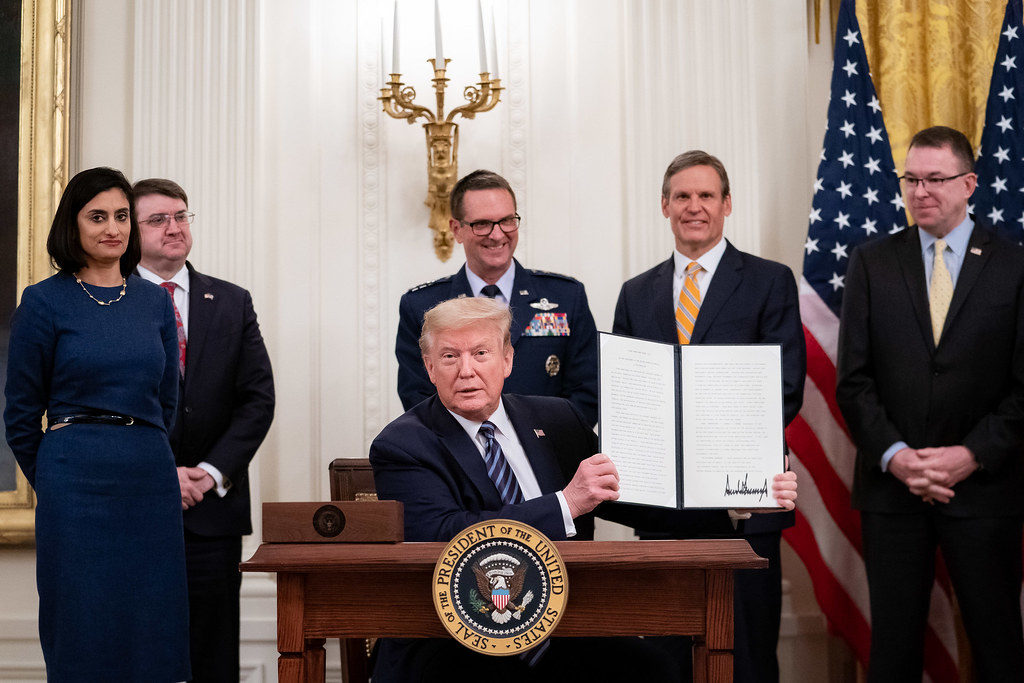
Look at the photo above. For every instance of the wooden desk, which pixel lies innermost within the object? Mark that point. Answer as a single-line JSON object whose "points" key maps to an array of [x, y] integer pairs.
{"points": [[615, 588]]}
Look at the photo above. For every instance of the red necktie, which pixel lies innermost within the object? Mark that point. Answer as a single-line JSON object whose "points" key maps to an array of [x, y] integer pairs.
{"points": [[169, 286]]}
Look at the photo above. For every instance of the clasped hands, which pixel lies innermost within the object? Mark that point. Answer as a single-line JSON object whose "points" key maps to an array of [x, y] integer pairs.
{"points": [[194, 482], [596, 480], [931, 473]]}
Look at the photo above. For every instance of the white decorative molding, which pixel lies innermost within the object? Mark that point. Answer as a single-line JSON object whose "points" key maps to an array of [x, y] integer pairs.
{"points": [[690, 84], [515, 80], [15, 672], [252, 672], [371, 220], [195, 119], [257, 585]]}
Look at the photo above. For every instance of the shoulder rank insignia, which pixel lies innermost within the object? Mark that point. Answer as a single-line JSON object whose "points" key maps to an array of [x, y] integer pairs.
{"points": [[446, 278], [560, 276], [544, 305]]}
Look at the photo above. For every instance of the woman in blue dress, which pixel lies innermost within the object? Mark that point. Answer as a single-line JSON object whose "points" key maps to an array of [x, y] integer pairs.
{"points": [[96, 349]]}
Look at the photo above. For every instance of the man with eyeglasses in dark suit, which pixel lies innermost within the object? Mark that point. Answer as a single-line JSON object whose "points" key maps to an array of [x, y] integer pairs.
{"points": [[225, 406], [931, 385], [553, 333]]}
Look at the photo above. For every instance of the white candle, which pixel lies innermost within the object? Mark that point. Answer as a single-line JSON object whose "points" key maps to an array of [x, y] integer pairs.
{"points": [[482, 38], [494, 46], [394, 44], [438, 48]]}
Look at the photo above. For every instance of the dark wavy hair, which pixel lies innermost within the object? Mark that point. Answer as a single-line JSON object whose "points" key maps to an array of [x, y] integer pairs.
{"points": [[938, 137], [695, 157], [477, 180], [64, 243]]}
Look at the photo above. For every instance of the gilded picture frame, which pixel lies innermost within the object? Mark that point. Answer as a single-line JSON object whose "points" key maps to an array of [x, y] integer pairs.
{"points": [[42, 173]]}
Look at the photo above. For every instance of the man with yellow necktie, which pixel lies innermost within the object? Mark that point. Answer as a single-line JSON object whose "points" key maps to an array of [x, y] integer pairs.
{"points": [[709, 292], [931, 385]]}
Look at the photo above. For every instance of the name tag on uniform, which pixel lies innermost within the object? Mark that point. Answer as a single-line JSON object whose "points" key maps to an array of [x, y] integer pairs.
{"points": [[548, 324]]}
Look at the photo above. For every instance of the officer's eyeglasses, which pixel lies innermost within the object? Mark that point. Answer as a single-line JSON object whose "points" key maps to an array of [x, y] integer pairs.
{"points": [[160, 220], [912, 183], [483, 228]]}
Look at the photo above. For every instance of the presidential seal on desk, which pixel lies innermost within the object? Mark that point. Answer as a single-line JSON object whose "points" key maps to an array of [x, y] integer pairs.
{"points": [[500, 587]]}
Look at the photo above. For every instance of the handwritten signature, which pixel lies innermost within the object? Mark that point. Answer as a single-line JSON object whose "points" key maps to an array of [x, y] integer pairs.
{"points": [[742, 489]]}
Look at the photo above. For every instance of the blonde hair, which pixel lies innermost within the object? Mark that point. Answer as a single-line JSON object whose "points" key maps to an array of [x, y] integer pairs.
{"points": [[454, 314]]}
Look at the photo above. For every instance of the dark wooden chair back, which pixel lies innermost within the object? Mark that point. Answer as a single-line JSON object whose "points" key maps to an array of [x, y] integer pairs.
{"points": [[352, 479]]}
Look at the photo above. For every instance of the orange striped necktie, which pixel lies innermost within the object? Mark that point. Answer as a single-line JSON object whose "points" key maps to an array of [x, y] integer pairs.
{"points": [[688, 304]]}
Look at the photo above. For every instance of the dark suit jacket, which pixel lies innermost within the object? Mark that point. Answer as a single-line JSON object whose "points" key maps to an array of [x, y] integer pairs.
{"points": [[226, 400], [895, 384], [574, 377], [426, 460], [750, 301]]}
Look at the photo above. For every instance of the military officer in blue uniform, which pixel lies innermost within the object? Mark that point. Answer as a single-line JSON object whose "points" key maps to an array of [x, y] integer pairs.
{"points": [[553, 333]]}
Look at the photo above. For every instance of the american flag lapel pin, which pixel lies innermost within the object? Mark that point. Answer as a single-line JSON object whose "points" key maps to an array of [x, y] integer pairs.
{"points": [[976, 251], [538, 432], [208, 296]]}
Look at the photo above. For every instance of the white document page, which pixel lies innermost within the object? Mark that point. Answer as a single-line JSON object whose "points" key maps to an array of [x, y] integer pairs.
{"points": [[638, 423], [732, 425]]}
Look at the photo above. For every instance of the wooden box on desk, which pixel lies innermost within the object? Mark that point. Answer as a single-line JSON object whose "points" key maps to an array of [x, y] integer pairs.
{"points": [[378, 521]]}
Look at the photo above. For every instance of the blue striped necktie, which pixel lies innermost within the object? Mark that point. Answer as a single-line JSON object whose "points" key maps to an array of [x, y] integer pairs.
{"points": [[498, 468], [505, 481]]}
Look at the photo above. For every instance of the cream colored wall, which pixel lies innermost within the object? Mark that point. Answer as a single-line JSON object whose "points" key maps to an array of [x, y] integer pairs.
{"points": [[309, 196]]}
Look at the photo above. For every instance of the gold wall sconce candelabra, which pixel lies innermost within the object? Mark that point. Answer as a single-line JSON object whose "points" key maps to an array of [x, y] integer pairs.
{"points": [[398, 101]]}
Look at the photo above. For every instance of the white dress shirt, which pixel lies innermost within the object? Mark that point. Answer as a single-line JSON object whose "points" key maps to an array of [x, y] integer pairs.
{"points": [[181, 279], [956, 250], [504, 283], [505, 433], [709, 262]]}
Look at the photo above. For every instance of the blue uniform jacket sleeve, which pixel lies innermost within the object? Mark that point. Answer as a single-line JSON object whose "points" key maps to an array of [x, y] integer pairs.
{"points": [[413, 383], [29, 370]]}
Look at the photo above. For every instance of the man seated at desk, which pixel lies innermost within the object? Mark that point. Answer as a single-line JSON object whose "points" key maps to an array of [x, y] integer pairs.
{"points": [[470, 454]]}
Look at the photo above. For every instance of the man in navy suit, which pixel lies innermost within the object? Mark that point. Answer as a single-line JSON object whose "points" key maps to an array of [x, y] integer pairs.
{"points": [[553, 331], [225, 406], [432, 459], [931, 385], [709, 292]]}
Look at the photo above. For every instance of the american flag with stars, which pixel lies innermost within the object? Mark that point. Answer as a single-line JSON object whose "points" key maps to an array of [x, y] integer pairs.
{"points": [[856, 198], [999, 198]]}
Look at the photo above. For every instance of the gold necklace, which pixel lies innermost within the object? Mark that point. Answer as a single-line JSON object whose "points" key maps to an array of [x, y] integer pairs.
{"points": [[124, 286]]}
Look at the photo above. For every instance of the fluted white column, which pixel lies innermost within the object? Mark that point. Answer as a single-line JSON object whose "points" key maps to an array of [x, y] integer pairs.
{"points": [[195, 90]]}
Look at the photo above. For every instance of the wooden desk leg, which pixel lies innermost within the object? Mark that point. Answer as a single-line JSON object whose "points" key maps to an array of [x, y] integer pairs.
{"points": [[717, 648], [700, 660], [291, 589], [314, 661]]}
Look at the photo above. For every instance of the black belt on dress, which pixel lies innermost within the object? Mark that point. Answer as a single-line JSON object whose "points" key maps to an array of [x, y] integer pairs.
{"points": [[123, 420]]}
